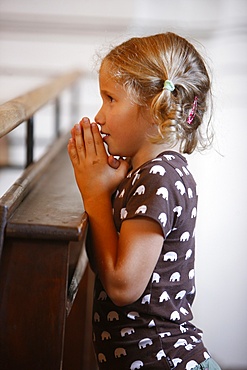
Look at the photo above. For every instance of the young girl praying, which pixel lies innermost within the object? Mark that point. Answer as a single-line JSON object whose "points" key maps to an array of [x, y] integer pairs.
{"points": [[142, 207]]}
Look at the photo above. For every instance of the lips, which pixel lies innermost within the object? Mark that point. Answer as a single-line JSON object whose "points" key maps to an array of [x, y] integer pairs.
{"points": [[104, 136]]}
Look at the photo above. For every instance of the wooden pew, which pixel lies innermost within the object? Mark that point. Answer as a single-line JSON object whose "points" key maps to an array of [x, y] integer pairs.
{"points": [[45, 281]]}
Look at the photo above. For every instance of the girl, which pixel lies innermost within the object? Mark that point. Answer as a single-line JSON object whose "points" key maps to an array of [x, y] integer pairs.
{"points": [[142, 211]]}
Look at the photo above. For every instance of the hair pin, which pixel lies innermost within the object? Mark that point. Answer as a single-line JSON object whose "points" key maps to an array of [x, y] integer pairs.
{"points": [[168, 85], [192, 111]]}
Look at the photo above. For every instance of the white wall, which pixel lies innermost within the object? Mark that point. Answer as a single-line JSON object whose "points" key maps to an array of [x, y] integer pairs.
{"points": [[41, 38]]}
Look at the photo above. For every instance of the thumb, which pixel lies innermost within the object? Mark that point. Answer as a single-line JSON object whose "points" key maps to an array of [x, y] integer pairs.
{"points": [[113, 162]]}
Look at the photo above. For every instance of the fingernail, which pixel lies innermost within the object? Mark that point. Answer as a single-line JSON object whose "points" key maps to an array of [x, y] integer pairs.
{"points": [[86, 120]]}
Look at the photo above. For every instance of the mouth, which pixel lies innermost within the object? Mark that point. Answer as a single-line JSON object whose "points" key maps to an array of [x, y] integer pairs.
{"points": [[104, 136]]}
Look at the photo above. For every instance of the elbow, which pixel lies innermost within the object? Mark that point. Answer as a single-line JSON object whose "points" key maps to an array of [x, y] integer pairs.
{"points": [[123, 297]]}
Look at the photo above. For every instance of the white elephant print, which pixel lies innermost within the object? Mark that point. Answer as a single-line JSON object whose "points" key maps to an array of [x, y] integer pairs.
{"points": [[140, 190], [176, 361], [169, 157], [133, 315], [136, 177], [179, 172], [181, 294], [158, 169], [191, 364], [160, 355], [122, 193], [193, 212], [141, 209], [163, 192], [136, 365], [188, 254], [175, 277], [165, 334], [182, 328], [151, 324], [175, 316], [123, 213], [145, 342], [185, 236], [178, 210], [180, 186], [156, 278], [191, 274], [190, 193], [146, 299], [186, 171], [164, 297], [127, 331], [180, 342], [171, 256], [184, 311], [163, 219]]}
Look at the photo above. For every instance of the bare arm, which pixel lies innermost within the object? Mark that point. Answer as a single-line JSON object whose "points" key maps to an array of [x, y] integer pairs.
{"points": [[124, 261]]}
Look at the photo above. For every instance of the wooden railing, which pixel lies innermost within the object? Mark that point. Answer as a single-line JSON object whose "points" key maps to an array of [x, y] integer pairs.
{"points": [[45, 300]]}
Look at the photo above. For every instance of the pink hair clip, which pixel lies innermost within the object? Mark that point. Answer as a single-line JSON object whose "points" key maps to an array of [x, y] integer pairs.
{"points": [[192, 112]]}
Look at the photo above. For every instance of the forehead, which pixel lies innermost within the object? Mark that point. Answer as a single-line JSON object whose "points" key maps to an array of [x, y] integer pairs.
{"points": [[107, 81]]}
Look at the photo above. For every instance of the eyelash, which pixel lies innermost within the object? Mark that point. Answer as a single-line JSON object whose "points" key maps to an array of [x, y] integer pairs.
{"points": [[110, 98]]}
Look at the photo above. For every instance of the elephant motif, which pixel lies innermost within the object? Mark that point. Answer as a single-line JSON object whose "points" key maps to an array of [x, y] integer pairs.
{"points": [[112, 315], [178, 209], [191, 274], [101, 357], [181, 294], [160, 354], [105, 335], [180, 186], [145, 342], [175, 316], [163, 219], [180, 342], [156, 278], [136, 365], [120, 352], [157, 169], [102, 296], [140, 190], [169, 157], [190, 193], [123, 213], [193, 212], [163, 192], [179, 172], [127, 331], [176, 361], [188, 254], [141, 209], [164, 297], [186, 171], [191, 364], [185, 236], [133, 315], [171, 256], [175, 277], [96, 317], [146, 299]]}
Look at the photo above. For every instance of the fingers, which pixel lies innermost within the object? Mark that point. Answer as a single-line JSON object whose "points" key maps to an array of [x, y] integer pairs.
{"points": [[72, 152]]}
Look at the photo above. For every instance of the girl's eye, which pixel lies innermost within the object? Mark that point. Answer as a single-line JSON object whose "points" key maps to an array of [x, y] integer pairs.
{"points": [[110, 98]]}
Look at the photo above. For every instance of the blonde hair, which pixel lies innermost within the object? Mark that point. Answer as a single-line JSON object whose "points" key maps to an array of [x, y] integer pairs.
{"points": [[142, 65]]}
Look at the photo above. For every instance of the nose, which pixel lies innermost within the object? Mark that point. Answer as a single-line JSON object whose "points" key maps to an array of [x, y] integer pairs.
{"points": [[99, 118]]}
